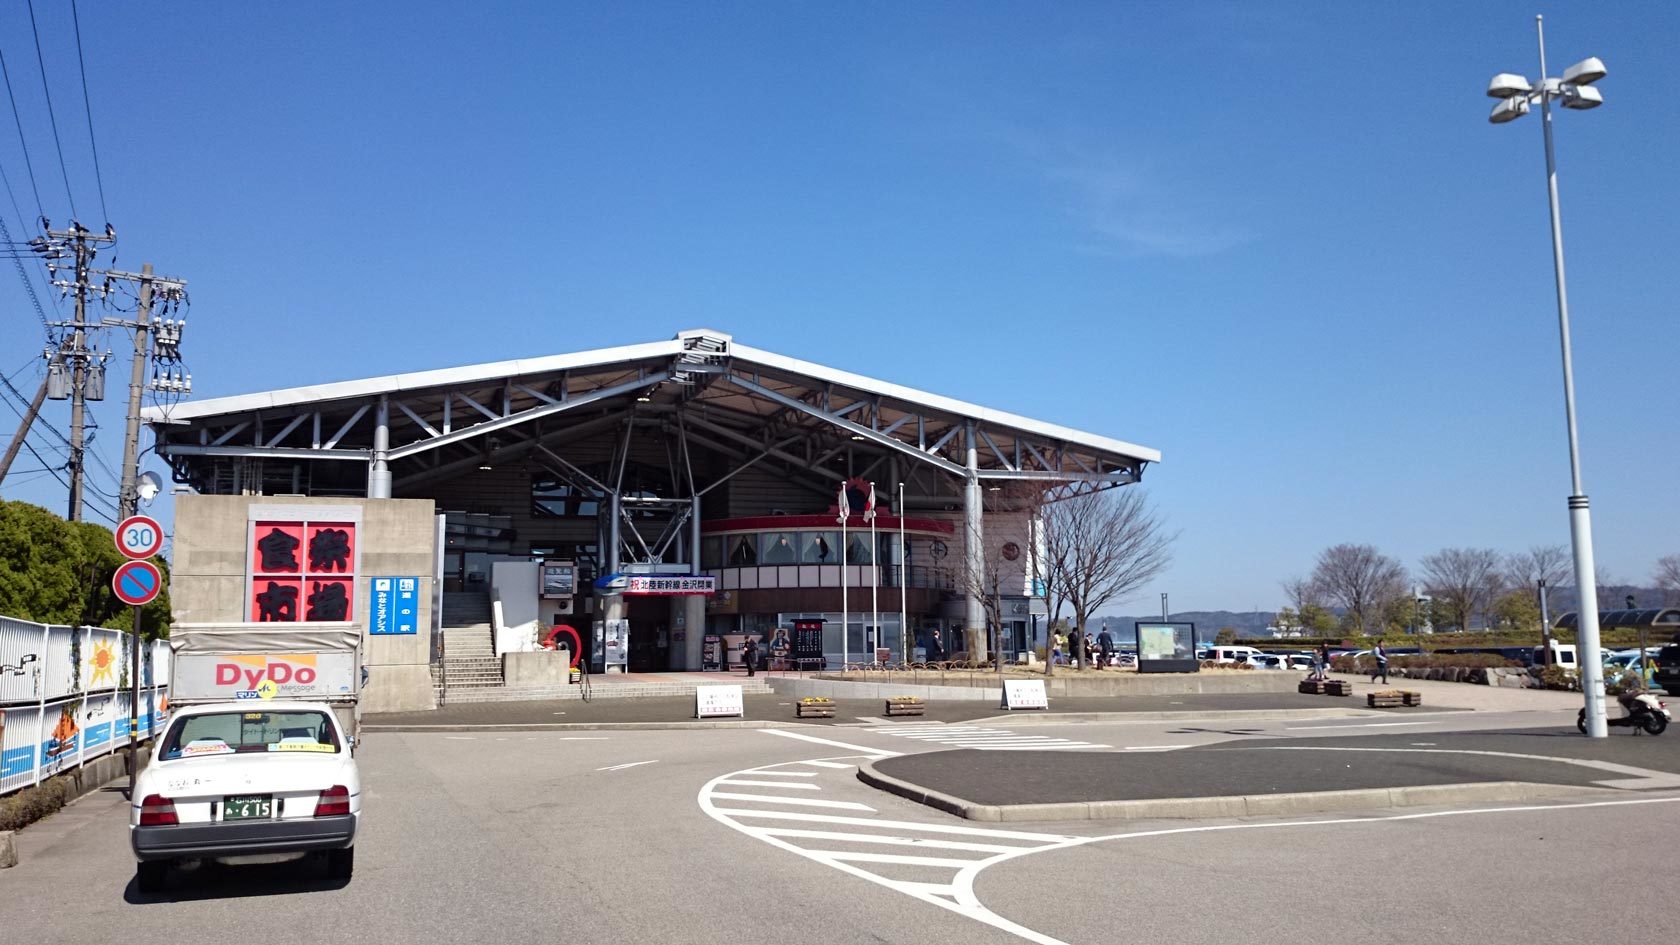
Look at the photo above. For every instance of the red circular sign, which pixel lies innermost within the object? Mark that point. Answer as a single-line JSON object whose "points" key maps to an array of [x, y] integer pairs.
{"points": [[139, 536], [137, 582]]}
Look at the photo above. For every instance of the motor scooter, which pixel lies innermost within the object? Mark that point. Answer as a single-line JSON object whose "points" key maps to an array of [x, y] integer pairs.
{"points": [[1644, 711]]}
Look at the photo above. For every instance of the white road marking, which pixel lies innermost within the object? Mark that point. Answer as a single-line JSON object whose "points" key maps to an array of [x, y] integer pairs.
{"points": [[982, 739], [875, 752], [460, 738], [1155, 747], [760, 772], [798, 801], [788, 785], [1308, 728], [583, 738], [633, 764], [951, 881]]}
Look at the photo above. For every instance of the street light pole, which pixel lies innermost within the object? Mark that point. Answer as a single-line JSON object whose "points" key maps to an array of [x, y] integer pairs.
{"points": [[1575, 91]]}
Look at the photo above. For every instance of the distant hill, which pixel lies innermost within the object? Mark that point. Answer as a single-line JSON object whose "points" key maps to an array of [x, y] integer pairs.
{"points": [[1208, 622]]}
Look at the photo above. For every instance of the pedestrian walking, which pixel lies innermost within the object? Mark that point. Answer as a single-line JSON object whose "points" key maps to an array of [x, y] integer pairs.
{"points": [[1105, 646], [1323, 660], [1059, 648], [1381, 668], [750, 654]]}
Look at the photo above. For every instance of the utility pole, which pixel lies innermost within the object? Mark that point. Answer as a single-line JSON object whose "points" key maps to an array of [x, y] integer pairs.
{"points": [[23, 430], [127, 498], [87, 376]]}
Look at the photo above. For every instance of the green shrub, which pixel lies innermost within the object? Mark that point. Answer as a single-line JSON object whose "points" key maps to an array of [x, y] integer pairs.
{"points": [[1556, 677], [33, 803]]}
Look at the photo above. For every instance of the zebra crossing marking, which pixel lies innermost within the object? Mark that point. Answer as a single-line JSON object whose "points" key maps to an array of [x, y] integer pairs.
{"points": [[981, 738], [933, 862]]}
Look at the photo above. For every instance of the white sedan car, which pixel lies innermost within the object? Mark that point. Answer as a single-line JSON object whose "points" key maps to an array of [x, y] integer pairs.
{"points": [[241, 778]]}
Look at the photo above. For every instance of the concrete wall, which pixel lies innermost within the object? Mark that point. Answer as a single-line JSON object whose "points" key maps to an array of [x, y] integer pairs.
{"points": [[395, 538]]}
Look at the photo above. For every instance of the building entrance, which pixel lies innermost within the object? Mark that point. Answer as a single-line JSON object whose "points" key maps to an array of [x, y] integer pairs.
{"points": [[650, 633]]}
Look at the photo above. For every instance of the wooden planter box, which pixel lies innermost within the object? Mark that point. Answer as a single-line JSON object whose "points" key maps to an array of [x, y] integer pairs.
{"points": [[1393, 698], [904, 707], [1312, 687], [813, 710], [1338, 687]]}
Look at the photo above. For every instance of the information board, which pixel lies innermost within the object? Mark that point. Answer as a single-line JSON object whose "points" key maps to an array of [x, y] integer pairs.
{"points": [[712, 702], [1166, 647], [1024, 694], [394, 606]]}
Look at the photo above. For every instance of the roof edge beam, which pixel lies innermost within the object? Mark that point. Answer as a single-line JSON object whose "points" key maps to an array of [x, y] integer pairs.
{"points": [[547, 410], [262, 452], [854, 428]]}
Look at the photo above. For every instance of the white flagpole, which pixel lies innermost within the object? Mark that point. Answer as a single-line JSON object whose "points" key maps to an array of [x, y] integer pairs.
{"points": [[903, 579], [845, 617], [875, 571]]}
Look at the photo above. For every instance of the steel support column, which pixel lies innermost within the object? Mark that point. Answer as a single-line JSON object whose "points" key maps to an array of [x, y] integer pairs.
{"points": [[973, 547], [379, 465]]}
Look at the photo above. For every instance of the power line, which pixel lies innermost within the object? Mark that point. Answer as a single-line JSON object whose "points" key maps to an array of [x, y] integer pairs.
{"points": [[51, 116], [17, 116], [88, 107]]}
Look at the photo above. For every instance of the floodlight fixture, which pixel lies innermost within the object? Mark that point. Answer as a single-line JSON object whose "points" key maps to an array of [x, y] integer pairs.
{"points": [[1585, 72], [1582, 97], [1507, 85], [1509, 110]]}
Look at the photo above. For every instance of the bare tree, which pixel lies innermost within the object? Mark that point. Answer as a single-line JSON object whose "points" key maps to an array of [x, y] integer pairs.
{"points": [[1526, 569], [1463, 581], [1302, 593], [1110, 544], [1050, 569], [1667, 578], [1362, 580]]}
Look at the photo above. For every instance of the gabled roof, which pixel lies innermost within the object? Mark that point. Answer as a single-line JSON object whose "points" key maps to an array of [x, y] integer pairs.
{"points": [[730, 389], [496, 371]]}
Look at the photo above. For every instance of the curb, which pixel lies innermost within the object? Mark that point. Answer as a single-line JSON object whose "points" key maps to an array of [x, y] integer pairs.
{"points": [[1184, 715], [582, 726], [84, 780], [1237, 805]]}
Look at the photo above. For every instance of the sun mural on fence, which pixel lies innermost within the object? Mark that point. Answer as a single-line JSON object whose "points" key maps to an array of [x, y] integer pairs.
{"points": [[103, 661]]}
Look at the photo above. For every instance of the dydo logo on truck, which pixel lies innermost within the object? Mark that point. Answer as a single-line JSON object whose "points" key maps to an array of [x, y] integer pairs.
{"points": [[264, 676]]}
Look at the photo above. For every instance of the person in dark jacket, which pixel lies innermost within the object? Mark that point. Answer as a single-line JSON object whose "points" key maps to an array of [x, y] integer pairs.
{"points": [[1105, 646], [750, 655]]}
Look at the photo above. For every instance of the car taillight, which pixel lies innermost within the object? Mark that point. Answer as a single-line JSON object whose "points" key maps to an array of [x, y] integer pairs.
{"points": [[334, 802], [158, 811]]}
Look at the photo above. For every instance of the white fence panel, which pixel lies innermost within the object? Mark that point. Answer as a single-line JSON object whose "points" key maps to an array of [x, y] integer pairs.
{"points": [[65, 697]]}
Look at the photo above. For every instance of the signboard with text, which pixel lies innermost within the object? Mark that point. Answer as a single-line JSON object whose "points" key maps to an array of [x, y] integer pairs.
{"points": [[712, 702], [1166, 647], [667, 585], [1024, 694], [394, 606]]}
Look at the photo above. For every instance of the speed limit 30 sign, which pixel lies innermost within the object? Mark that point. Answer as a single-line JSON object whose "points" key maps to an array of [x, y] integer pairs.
{"points": [[139, 536]]}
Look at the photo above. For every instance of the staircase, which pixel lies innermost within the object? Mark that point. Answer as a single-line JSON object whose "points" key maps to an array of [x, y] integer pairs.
{"points": [[469, 658]]}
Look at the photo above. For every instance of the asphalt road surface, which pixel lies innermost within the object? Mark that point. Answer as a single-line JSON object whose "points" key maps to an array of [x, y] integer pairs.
{"points": [[748, 836]]}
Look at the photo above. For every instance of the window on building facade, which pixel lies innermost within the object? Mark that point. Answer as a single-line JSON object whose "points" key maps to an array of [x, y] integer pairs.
{"points": [[711, 552], [743, 552], [819, 547], [779, 548]]}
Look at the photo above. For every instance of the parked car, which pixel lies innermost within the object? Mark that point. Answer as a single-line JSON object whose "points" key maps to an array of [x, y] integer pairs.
{"points": [[1667, 675], [248, 777], [1268, 661]]}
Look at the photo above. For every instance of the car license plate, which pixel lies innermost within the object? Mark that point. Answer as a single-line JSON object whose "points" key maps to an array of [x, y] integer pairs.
{"points": [[248, 807]]}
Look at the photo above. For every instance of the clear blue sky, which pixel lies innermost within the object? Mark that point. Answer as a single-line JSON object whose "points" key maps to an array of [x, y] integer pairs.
{"points": [[1279, 242]]}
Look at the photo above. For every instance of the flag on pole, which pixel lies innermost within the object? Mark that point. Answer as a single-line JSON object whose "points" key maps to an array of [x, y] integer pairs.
{"points": [[869, 507], [844, 505]]}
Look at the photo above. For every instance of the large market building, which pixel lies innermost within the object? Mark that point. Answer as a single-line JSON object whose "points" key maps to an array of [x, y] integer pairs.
{"points": [[664, 499]]}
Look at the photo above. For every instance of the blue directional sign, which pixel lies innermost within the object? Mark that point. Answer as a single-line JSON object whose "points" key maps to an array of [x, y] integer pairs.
{"points": [[394, 606]]}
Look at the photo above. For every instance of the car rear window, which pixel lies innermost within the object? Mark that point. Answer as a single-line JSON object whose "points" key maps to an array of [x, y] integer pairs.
{"points": [[228, 733]]}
